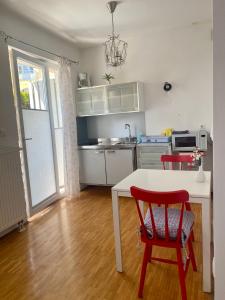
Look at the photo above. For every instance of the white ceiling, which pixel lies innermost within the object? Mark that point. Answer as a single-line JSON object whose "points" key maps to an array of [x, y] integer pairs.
{"points": [[88, 21]]}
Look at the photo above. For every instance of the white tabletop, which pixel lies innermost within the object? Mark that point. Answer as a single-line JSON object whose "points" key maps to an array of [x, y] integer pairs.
{"points": [[167, 180]]}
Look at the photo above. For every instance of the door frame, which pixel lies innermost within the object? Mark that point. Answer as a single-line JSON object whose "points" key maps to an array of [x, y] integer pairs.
{"points": [[15, 54]]}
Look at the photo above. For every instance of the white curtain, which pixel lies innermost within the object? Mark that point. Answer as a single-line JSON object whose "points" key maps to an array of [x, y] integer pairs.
{"points": [[67, 95]]}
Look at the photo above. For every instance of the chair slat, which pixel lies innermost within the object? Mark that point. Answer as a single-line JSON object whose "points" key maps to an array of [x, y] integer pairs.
{"points": [[166, 223], [153, 221], [179, 231]]}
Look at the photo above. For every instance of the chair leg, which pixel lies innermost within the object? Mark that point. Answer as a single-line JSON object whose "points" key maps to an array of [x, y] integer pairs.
{"points": [[143, 271], [150, 254], [192, 255], [192, 236], [181, 274]]}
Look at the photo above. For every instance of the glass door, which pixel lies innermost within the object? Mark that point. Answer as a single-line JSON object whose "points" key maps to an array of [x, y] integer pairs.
{"points": [[37, 138]]}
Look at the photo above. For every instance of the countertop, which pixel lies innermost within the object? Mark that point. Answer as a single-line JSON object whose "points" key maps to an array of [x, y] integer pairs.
{"points": [[110, 143], [108, 147]]}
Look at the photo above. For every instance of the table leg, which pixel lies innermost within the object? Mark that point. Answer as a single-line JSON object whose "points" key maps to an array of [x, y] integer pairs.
{"points": [[206, 245], [116, 224]]}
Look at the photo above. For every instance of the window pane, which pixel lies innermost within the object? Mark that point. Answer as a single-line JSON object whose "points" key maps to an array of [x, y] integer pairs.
{"points": [[32, 86], [58, 126], [56, 104]]}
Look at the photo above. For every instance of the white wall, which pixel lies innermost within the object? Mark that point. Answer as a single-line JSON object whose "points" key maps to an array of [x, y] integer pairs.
{"points": [[113, 125], [182, 56], [8, 133], [21, 29], [219, 146]]}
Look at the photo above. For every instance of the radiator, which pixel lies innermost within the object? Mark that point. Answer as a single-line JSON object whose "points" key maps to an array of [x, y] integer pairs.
{"points": [[12, 199]]}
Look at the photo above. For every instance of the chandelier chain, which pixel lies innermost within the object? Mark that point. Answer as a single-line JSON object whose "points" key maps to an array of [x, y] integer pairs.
{"points": [[115, 49], [113, 29]]}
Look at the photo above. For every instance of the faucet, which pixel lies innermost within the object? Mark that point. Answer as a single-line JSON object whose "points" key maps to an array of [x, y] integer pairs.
{"points": [[127, 126]]}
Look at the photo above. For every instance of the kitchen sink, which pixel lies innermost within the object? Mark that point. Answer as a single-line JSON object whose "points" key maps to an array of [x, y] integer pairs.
{"points": [[111, 143]]}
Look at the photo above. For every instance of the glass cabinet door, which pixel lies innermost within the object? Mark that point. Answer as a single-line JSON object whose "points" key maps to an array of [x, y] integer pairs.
{"points": [[122, 97], [114, 99], [84, 105], [129, 100], [98, 99]]}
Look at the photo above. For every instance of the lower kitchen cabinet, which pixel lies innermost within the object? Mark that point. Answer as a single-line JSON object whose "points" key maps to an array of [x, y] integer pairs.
{"points": [[148, 155], [119, 164], [92, 166], [105, 167]]}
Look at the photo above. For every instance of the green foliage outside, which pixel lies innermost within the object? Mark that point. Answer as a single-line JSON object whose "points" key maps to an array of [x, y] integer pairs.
{"points": [[25, 99]]}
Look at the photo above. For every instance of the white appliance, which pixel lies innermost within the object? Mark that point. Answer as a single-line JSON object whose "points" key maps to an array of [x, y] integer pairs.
{"points": [[190, 141]]}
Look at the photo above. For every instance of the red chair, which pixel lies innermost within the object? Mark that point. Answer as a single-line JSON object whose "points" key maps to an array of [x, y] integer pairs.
{"points": [[182, 159], [166, 227]]}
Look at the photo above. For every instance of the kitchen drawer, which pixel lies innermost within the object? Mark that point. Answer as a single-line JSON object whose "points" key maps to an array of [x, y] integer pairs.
{"points": [[150, 156], [149, 160], [150, 166], [153, 149]]}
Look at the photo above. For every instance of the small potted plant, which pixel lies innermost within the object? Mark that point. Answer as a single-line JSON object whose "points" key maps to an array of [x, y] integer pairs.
{"points": [[108, 77]]}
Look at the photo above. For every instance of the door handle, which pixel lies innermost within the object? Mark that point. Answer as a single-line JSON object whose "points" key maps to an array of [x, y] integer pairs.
{"points": [[27, 139], [111, 151]]}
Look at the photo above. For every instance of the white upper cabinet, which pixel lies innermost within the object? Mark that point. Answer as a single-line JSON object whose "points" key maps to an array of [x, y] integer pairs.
{"points": [[98, 98], [109, 99], [83, 100], [123, 98], [91, 101]]}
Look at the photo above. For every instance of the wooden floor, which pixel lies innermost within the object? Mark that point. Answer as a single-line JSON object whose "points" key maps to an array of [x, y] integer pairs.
{"points": [[67, 252]]}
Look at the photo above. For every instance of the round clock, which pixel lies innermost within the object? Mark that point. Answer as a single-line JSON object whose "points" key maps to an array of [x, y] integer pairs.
{"points": [[167, 86]]}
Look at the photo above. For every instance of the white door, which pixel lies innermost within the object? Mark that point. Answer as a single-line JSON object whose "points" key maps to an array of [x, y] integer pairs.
{"points": [[92, 167], [119, 164], [36, 131]]}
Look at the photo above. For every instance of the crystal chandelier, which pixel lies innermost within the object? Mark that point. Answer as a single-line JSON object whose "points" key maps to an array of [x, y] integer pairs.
{"points": [[115, 49]]}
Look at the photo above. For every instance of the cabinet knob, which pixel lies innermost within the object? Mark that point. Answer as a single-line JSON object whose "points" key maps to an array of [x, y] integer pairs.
{"points": [[111, 151]]}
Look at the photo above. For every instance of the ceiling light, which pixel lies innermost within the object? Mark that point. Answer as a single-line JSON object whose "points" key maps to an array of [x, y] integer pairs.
{"points": [[115, 49]]}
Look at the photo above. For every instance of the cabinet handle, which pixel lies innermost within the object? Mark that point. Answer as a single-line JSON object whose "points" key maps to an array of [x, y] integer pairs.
{"points": [[99, 152], [111, 151]]}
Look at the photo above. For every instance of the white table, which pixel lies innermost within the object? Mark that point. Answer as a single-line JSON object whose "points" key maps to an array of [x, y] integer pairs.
{"points": [[168, 180]]}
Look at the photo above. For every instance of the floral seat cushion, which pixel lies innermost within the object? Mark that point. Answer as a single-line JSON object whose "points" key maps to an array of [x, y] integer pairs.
{"points": [[173, 223]]}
